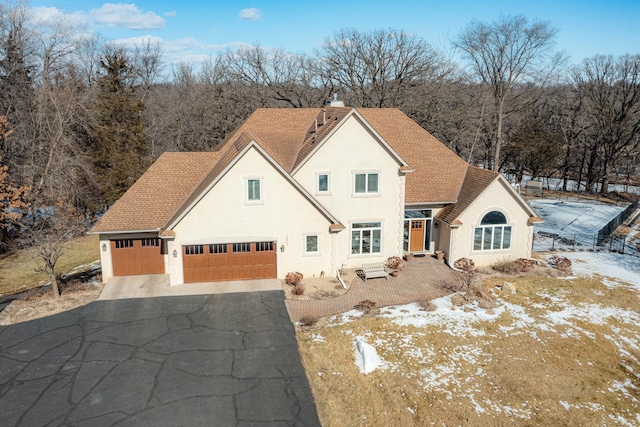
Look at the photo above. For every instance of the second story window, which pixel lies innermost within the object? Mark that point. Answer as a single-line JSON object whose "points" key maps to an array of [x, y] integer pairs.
{"points": [[323, 183], [254, 190], [366, 183]]}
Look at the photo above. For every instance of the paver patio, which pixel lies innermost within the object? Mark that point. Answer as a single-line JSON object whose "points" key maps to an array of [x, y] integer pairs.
{"points": [[422, 278]]}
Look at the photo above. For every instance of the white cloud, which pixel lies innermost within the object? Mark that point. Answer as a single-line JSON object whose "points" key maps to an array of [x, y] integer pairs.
{"points": [[126, 15], [250, 14], [172, 13], [53, 16], [132, 42]]}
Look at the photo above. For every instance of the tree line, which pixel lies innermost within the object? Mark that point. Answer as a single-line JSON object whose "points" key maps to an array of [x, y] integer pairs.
{"points": [[83, 117]]}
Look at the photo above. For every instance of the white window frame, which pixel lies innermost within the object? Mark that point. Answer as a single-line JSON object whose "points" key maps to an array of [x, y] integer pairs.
{"points": [[361, 230], [247, 180], [366, 192], [328, 190], [304, 244], [492, 229]]}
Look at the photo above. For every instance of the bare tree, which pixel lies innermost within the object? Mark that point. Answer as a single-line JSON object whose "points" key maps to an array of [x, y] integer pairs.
{"points": [[505, 53], [379, 68], [53, 226], [291, 80], [148, 65], [609, 88]]}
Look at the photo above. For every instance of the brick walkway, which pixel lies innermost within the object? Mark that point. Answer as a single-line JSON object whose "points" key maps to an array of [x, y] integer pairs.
{"points": [[423, 278]]}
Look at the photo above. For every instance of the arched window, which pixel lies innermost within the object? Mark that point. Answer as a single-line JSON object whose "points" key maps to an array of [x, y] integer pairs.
{"points": [[494, 218], [493, 233]]}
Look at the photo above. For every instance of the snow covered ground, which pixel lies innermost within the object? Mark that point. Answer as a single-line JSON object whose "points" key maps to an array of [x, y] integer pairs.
{"points": [[584, 219], [579, 218], [615, 268], [547, 319], [574, 224], [461, 371], [556, 185]]}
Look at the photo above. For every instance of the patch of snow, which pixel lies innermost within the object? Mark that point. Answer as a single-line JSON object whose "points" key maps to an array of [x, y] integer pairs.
{"points": [[622, 268], [567, 217], [346, 317], [565, 405], [450, 319], [623, 388], [367, 359], [317, 338]]}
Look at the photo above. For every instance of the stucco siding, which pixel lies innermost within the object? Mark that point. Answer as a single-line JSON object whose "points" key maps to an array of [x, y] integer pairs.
{"points": [[224, 215], [106, 262], [352, 149], [495, 197]]}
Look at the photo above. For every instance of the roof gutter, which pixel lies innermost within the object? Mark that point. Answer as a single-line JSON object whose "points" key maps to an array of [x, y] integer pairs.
{"points": [[430, 203], [155, 230]]}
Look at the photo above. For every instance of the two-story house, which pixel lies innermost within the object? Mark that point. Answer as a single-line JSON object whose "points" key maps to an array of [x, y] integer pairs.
{"points": [[311, 190]]}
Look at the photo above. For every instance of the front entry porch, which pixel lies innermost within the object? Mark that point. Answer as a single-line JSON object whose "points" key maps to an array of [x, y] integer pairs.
{"points": [[417, 237]]}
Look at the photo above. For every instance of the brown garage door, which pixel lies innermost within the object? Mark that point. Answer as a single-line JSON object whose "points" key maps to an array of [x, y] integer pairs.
{"points": [[229, 261], [137, 256]]}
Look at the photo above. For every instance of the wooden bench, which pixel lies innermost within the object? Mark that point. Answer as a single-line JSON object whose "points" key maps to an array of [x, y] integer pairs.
{"points": [[373, 270]]}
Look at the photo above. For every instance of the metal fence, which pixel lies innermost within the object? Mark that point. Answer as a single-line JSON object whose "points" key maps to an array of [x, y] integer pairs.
{"points": [[605, 232], [545, 241]]}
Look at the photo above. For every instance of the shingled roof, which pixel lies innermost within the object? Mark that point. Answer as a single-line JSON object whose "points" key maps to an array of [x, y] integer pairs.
{"points": [[439, 172], [159, 193], [475, 182], [280, 131], [288, 136]]}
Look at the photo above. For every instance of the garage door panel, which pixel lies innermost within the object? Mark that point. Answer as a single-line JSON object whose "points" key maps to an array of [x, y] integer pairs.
{"points": [[232, 261], [132, 257]]}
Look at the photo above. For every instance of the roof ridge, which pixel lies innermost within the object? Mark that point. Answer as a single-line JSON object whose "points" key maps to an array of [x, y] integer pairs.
{"points": [[308, 142], [302, 141]]}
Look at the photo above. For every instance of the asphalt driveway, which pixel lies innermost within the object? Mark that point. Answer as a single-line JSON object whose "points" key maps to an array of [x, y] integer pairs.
{"points": [[206, 360]]}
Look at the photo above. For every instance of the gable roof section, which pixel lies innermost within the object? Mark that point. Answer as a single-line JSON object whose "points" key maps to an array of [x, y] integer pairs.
{"points": [[328, 119], [158, 193], [439, 172], [476, 181], [234, 151], [279, 131]]}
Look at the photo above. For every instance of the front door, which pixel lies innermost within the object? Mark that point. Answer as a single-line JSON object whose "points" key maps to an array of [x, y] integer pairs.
{"points": [[417, 236]]}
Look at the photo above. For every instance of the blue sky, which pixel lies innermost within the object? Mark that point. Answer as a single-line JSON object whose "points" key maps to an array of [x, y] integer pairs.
{"points": [[191, 31]]}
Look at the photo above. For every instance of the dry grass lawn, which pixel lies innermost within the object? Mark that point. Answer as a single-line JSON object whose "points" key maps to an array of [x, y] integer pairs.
{"points": [[17, 269], [559, 352], [42, 304]]}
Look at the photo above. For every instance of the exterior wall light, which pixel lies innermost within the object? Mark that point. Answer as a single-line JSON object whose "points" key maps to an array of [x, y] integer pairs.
{"points": [[175, 253], [281, 248], [104, 247]]}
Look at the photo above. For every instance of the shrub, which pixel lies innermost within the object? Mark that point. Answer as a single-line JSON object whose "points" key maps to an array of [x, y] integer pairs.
{"points": [[298, 289], [308, 321], [525, 264], [365, 306], [464, 264], [394, 263], [506, 267], [561, 263], [427, 305], [293, 278], [457, 300]]}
